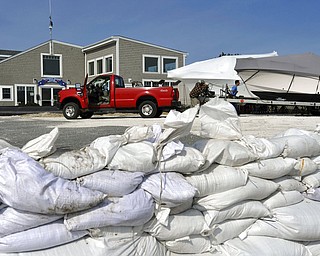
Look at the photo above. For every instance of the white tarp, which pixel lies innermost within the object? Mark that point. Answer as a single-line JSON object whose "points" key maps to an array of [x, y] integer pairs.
{"points": [[216, 71]]}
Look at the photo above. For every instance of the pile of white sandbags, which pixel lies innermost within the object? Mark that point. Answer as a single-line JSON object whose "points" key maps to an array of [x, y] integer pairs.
{"points": [[145, 193]]}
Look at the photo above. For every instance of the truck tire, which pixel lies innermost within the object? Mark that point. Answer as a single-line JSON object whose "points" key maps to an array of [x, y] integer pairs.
{"points": [[86, 115], [71, 110], [159, 112], [148, 109]]}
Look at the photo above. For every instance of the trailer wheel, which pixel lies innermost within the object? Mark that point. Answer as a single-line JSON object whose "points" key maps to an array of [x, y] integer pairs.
{"points": [[71, 110], [86, 115], [148, 109]]}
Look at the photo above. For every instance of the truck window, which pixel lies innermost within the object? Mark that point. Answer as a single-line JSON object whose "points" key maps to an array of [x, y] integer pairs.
{"points": [[119, 82]]}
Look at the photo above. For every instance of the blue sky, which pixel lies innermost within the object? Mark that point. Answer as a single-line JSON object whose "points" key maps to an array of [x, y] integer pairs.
{"points": [[202, 28]]}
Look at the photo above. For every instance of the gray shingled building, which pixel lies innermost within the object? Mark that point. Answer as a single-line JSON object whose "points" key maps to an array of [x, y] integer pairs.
{"points": [[36, 75]]}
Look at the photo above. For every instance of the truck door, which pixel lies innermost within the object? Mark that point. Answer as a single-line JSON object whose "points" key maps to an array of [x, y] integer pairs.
{"points": [[122, 95], [99, 92]]}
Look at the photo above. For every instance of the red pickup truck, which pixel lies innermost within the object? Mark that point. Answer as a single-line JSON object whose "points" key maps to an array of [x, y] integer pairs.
{"points": [[107, 93]]}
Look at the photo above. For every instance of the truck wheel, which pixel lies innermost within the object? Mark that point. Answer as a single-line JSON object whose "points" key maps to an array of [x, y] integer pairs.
{"points": [[159, 112], [86, 115], [71, 110], [148, 109]]}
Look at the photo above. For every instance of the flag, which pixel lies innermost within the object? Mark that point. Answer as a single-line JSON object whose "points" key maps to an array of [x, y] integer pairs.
{"points": [[50, 23]]}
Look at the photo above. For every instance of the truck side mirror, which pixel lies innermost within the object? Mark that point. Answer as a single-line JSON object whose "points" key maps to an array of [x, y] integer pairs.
{"points": [[77, 86]]}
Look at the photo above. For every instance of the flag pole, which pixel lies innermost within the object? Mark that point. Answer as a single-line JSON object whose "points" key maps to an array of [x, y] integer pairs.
{"points": [[50, 27]]}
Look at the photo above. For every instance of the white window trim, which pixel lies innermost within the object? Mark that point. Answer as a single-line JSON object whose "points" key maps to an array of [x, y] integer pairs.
{"points": [[167, 57], [41, 61], [156, 80], [94, 67], [151, 56], [11, 92], [104, 64], [24, 85]]}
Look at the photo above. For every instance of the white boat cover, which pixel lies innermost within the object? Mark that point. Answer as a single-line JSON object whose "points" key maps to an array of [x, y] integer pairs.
{"points": [[219, 72], [297, 73]]}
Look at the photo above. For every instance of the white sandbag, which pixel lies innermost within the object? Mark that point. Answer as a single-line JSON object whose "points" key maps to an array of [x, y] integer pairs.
{"points": [[108, 146], [230, 229], [176, 125], [213, 253], [191, 244], [224, 152], [263, 246], [180, 122], [262, 147], [303, 167], [298, 146], [127, 241], [41, 146], [169, 189], [38, 238], [188, 161], [288, 183], [216, 179], [23, 179], [139, 133], [182, 207], [241, 210], [171, 149], [5, 144], [13, 221], [75, 163], [81, 247], [313, 247], [112, 182], [283, 198], [297, 222], [270, 168], [316, 159], [179, 226], [313, 194], [300, 132], [312, 180], [219, 120], [134, 157], [255, 189], [134, 209]]}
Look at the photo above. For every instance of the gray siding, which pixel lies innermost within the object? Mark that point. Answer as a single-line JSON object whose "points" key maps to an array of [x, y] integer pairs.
{"points": [[102, 51], [131, 60], [23, 68]]}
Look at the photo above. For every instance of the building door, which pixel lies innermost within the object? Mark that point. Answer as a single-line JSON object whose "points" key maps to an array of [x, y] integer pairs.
{"points": [[25, 95], [21, 99], [49, 96], [46, 96]]}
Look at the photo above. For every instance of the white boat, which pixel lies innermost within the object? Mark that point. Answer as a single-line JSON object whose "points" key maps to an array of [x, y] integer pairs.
{"points": [[292, 77]]}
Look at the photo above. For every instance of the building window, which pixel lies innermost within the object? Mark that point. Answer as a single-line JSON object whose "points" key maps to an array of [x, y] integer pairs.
{"points": [[51, 65], [169, 64], [91, 68], [99, 66], [108, 64], [5, 93], [151, 64], [157, 83], [25, 95]]}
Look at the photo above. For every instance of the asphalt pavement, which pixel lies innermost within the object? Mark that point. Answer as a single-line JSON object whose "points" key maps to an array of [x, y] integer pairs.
{"points": [[16, 110], [20, 127]]}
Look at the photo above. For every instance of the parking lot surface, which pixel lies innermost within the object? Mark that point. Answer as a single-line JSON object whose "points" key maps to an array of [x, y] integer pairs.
{"points": [[74, 134]]}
